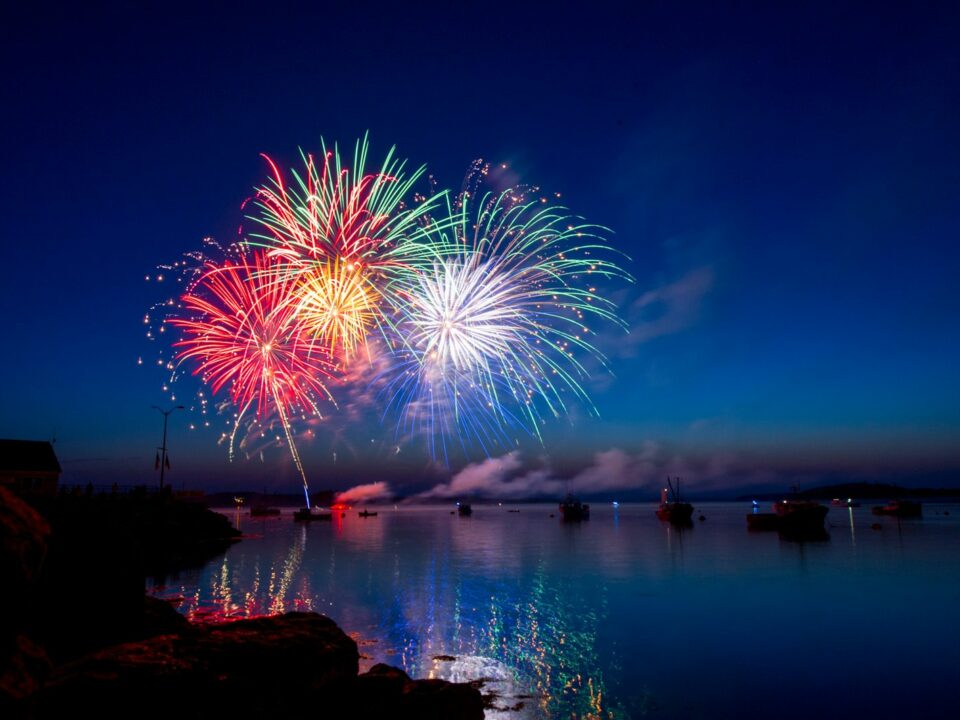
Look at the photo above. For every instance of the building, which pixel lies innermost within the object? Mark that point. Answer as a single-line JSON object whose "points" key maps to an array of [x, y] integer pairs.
{"points": [[29, 466]]}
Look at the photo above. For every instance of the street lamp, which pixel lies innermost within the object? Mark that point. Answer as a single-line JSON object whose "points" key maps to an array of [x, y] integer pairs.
{"points": [[163, 449]]}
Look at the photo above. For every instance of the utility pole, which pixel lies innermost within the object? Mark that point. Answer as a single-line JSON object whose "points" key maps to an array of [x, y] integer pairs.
{"points": [[163, 448]]}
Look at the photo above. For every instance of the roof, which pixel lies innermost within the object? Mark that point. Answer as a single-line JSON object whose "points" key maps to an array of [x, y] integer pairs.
{"points": [[28, 456]]}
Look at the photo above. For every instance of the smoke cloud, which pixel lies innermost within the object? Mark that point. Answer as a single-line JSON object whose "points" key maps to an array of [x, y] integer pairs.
{"points": [[504, 478], [371, 492]]}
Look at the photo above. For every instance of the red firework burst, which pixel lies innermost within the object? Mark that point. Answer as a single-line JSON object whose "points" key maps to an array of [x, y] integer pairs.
{"points": [[244, 333]]}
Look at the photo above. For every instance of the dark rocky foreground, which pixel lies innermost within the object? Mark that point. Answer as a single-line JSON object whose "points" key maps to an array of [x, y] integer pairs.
{"points": [[91, 555], [79, 637], [295, 665]]}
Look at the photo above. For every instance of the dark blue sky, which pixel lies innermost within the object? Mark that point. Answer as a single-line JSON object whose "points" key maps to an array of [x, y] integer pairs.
{"points": [[785, 180]]}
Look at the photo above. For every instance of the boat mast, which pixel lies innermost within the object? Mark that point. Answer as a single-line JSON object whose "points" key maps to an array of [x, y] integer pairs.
{"points": [[673, 492]]}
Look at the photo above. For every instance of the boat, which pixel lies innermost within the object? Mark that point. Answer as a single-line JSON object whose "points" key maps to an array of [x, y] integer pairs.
{"points": [[464, 509], [263, 511], [573, 509], [791, 517], [366, 513], [312, 513], [899, 508], [674, 510], [849, 502]]}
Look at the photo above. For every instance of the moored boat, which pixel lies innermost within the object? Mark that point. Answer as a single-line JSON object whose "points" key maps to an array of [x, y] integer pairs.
{"points": [[366, 513], [678, 513], [849, 502], [464, 509], [899, 508], [263, 511], [791, 517], [311, 513], [672, 509], [573, 509]]}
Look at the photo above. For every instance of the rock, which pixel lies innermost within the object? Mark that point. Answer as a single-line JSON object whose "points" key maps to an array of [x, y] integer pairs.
{"points": [[386, 676], [267, 667], [24, 534], [295, 665], [147, 678], [293, 652], [440, 700], [378, 692], [21, 674], [90, 594], [388, 692], [23, 542], [101, 550], [160, 618]]}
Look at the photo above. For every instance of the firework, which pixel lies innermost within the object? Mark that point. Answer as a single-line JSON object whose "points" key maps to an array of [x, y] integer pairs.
{"points": [[345, 233], [242, 329], [335, 303], [474, 311], [490, 335]]}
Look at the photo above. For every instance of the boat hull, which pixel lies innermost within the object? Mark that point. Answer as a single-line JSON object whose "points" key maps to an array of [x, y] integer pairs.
{"points": [[678, 513], [305, 515], [791, 519], [575, 512], [901, 509]]}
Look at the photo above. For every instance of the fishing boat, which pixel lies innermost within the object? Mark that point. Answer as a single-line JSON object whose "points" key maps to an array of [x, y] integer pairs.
{"points": [[366, 513], [791, 517], [849, 502], [464, 509], [899, 508], [312, 513], [672, 509], [573, 509]]}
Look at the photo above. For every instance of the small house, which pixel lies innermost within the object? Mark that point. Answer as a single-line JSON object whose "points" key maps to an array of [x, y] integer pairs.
{"points": [[29, 467]]}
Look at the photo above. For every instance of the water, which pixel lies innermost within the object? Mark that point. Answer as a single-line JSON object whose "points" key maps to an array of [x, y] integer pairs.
{"points": [[622, 616]]}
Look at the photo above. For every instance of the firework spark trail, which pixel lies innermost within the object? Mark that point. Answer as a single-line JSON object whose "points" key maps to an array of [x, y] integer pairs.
{"points": [[243, 331], [182, 273], [487, 335]]}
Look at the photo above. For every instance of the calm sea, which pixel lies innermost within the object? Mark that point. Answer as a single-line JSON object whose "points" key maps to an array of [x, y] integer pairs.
{"points": [[622, 616]]}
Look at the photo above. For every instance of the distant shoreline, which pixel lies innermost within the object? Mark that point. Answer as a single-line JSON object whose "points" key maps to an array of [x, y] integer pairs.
{"points": [[857, 491]]}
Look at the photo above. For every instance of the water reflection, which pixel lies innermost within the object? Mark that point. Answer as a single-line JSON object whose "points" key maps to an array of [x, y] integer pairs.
{"points": [[449, 597], [610, 618]]}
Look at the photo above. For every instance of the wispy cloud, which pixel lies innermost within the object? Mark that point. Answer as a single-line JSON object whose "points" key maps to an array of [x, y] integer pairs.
{"points": [[666, 310]]}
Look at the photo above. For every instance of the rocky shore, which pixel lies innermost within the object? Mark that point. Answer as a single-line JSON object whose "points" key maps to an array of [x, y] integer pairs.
{"points": [[78, 635], [294, 665]]}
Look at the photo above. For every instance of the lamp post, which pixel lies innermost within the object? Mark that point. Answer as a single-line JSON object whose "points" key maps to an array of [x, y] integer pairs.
{"points": [[163, 449]]}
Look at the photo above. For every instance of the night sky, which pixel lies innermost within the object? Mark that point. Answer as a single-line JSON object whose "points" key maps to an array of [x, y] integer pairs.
{"points": [[786, 182]]}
